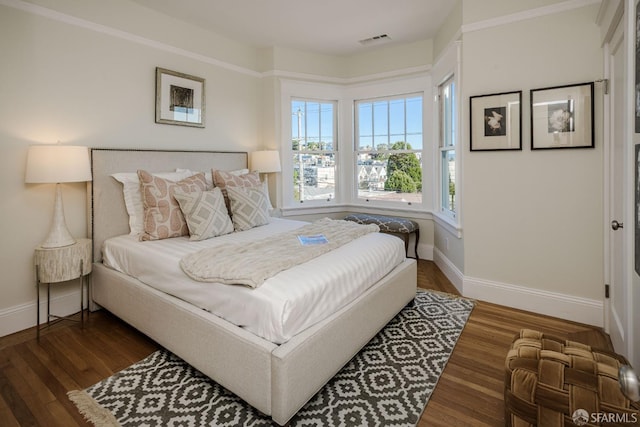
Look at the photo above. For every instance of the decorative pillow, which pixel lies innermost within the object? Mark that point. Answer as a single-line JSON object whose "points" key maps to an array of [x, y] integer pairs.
{"points": [[133, 197], [162, 215], [209, 175], [224, 179], [205, 213], [249, 207]]}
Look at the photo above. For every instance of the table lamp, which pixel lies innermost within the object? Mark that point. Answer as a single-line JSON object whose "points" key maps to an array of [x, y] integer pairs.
{"points": [[265, 161], [54, 164]]}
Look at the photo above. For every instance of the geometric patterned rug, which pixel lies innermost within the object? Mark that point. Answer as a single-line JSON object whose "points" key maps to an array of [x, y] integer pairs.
{"points": [[387, 383]]}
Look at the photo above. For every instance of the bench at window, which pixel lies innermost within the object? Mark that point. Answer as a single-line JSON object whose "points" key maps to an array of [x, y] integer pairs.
{"points": [[401, 227]]}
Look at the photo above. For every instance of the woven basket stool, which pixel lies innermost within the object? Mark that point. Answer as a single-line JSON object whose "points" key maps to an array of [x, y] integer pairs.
{"points": [[548, 379]]}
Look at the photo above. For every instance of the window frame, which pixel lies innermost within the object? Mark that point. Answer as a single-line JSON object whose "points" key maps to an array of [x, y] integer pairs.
{"points": [[345, 94], [320, 152], [316, 92], [449, 66], [447, 144], [357, 151]]}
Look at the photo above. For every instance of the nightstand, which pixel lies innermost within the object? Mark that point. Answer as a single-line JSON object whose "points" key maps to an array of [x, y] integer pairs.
{"points": [[56, 265]]}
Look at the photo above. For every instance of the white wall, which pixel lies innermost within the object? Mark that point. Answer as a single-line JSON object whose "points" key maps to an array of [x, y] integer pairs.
{"points": [[74, 82], [533, 220]]}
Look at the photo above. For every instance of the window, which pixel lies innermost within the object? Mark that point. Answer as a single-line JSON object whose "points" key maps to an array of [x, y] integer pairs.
{"points": [[389, 141], [313, 147], [447, 105]]}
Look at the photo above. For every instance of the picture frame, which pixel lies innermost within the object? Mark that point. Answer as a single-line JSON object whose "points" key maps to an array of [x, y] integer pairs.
{"points": [[496, 121], [180, 98], [562, 117]]}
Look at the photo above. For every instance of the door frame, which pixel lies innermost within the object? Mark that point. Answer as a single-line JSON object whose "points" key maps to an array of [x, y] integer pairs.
{"points": [[621, 14]]}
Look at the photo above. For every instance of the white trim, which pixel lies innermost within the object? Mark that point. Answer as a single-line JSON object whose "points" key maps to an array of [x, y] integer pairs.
{"points": [[346, 208], [569, 307], [402, 72], [88, 25], [448, 223], [23, 316], [449, 269], [425, 251], [528, 14], [99, 28], [549, 303]]}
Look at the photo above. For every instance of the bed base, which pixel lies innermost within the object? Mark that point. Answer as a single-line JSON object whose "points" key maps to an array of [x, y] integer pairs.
{"points": [[276, 380]]}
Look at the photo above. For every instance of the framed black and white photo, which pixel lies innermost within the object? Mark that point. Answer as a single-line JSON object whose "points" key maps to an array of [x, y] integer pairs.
{"points": [[496, 121], [562, 117], [179, 98]]}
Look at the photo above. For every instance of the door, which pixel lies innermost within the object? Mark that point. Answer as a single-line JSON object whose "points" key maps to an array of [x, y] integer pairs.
{"points": [[620, 228]]}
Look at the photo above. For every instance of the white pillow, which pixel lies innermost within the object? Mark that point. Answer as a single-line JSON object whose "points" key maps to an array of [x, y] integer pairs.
{"points": [[249, 207], [133, 196], [205, 212]]}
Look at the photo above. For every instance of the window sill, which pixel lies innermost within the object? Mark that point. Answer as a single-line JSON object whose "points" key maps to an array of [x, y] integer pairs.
{"points": [[314, 210], [448, 223]]}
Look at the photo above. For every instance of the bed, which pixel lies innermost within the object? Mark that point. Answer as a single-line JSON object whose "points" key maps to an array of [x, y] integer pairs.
{"points": [[275, 378]]}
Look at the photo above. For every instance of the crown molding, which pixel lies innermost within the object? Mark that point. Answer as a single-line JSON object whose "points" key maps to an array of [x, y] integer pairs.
{"points": [[528, 14], [403, 72], [113, 32]]}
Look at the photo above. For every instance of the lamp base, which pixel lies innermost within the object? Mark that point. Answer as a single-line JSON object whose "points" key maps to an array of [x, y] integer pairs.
{"points": [[59, 235]]}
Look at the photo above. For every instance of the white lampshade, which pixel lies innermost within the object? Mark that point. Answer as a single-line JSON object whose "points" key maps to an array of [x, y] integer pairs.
{"points": [[57, 163], [266, 161]]}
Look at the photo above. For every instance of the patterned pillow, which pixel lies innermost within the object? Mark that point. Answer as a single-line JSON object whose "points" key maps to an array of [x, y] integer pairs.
{"points": [[249, 207], [133, 199], [205, 213], [224, 179], [209, 175], [162, 215]]}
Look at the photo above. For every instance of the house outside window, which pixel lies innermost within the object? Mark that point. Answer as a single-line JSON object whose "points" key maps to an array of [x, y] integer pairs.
{"points": [[389, 147], [313, 149]]}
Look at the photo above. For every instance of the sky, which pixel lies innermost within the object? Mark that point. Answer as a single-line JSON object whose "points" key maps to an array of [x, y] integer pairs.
{"points": [[378, 122]]}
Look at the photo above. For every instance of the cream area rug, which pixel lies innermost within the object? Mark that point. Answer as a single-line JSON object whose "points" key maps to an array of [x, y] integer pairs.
{"points": [[388, 382]]}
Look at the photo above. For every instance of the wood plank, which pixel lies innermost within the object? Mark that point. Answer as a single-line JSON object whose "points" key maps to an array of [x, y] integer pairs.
{"points": [[6, 414]]}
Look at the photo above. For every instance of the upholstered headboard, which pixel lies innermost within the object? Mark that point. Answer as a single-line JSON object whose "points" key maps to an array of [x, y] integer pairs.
{"points": [[107, 213]]}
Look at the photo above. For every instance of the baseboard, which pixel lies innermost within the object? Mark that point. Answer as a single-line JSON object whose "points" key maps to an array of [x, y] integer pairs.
{"points": [[449, 269], [424, 250], [577, 309], [554, 304], [21, 317]]}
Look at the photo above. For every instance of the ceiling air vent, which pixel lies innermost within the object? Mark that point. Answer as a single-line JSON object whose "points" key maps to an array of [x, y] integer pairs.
{"points": [[382, 38]]}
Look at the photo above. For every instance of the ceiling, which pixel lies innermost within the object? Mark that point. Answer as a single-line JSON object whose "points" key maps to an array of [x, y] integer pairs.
{"points": [[327, 26]]}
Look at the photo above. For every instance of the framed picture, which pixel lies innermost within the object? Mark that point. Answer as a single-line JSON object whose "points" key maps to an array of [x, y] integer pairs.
{"points": [[562, 117], [496, 121], [179, 99]]}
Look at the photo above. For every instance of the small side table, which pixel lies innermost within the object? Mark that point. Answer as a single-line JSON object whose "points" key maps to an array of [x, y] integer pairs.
{"points": [[55, 265]]}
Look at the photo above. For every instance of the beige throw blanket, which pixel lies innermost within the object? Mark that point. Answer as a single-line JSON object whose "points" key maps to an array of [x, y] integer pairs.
{"points": [[252, 263]]}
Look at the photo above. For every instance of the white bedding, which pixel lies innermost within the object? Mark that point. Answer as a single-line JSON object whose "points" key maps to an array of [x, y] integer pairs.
{"points": [[285, 304]]}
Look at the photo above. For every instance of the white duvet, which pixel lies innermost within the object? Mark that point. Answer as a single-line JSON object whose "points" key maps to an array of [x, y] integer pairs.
{"points": [[285, 304]]}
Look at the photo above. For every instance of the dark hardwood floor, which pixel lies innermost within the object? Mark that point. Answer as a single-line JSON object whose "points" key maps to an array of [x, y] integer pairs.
{"points": [[35, 376]]}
